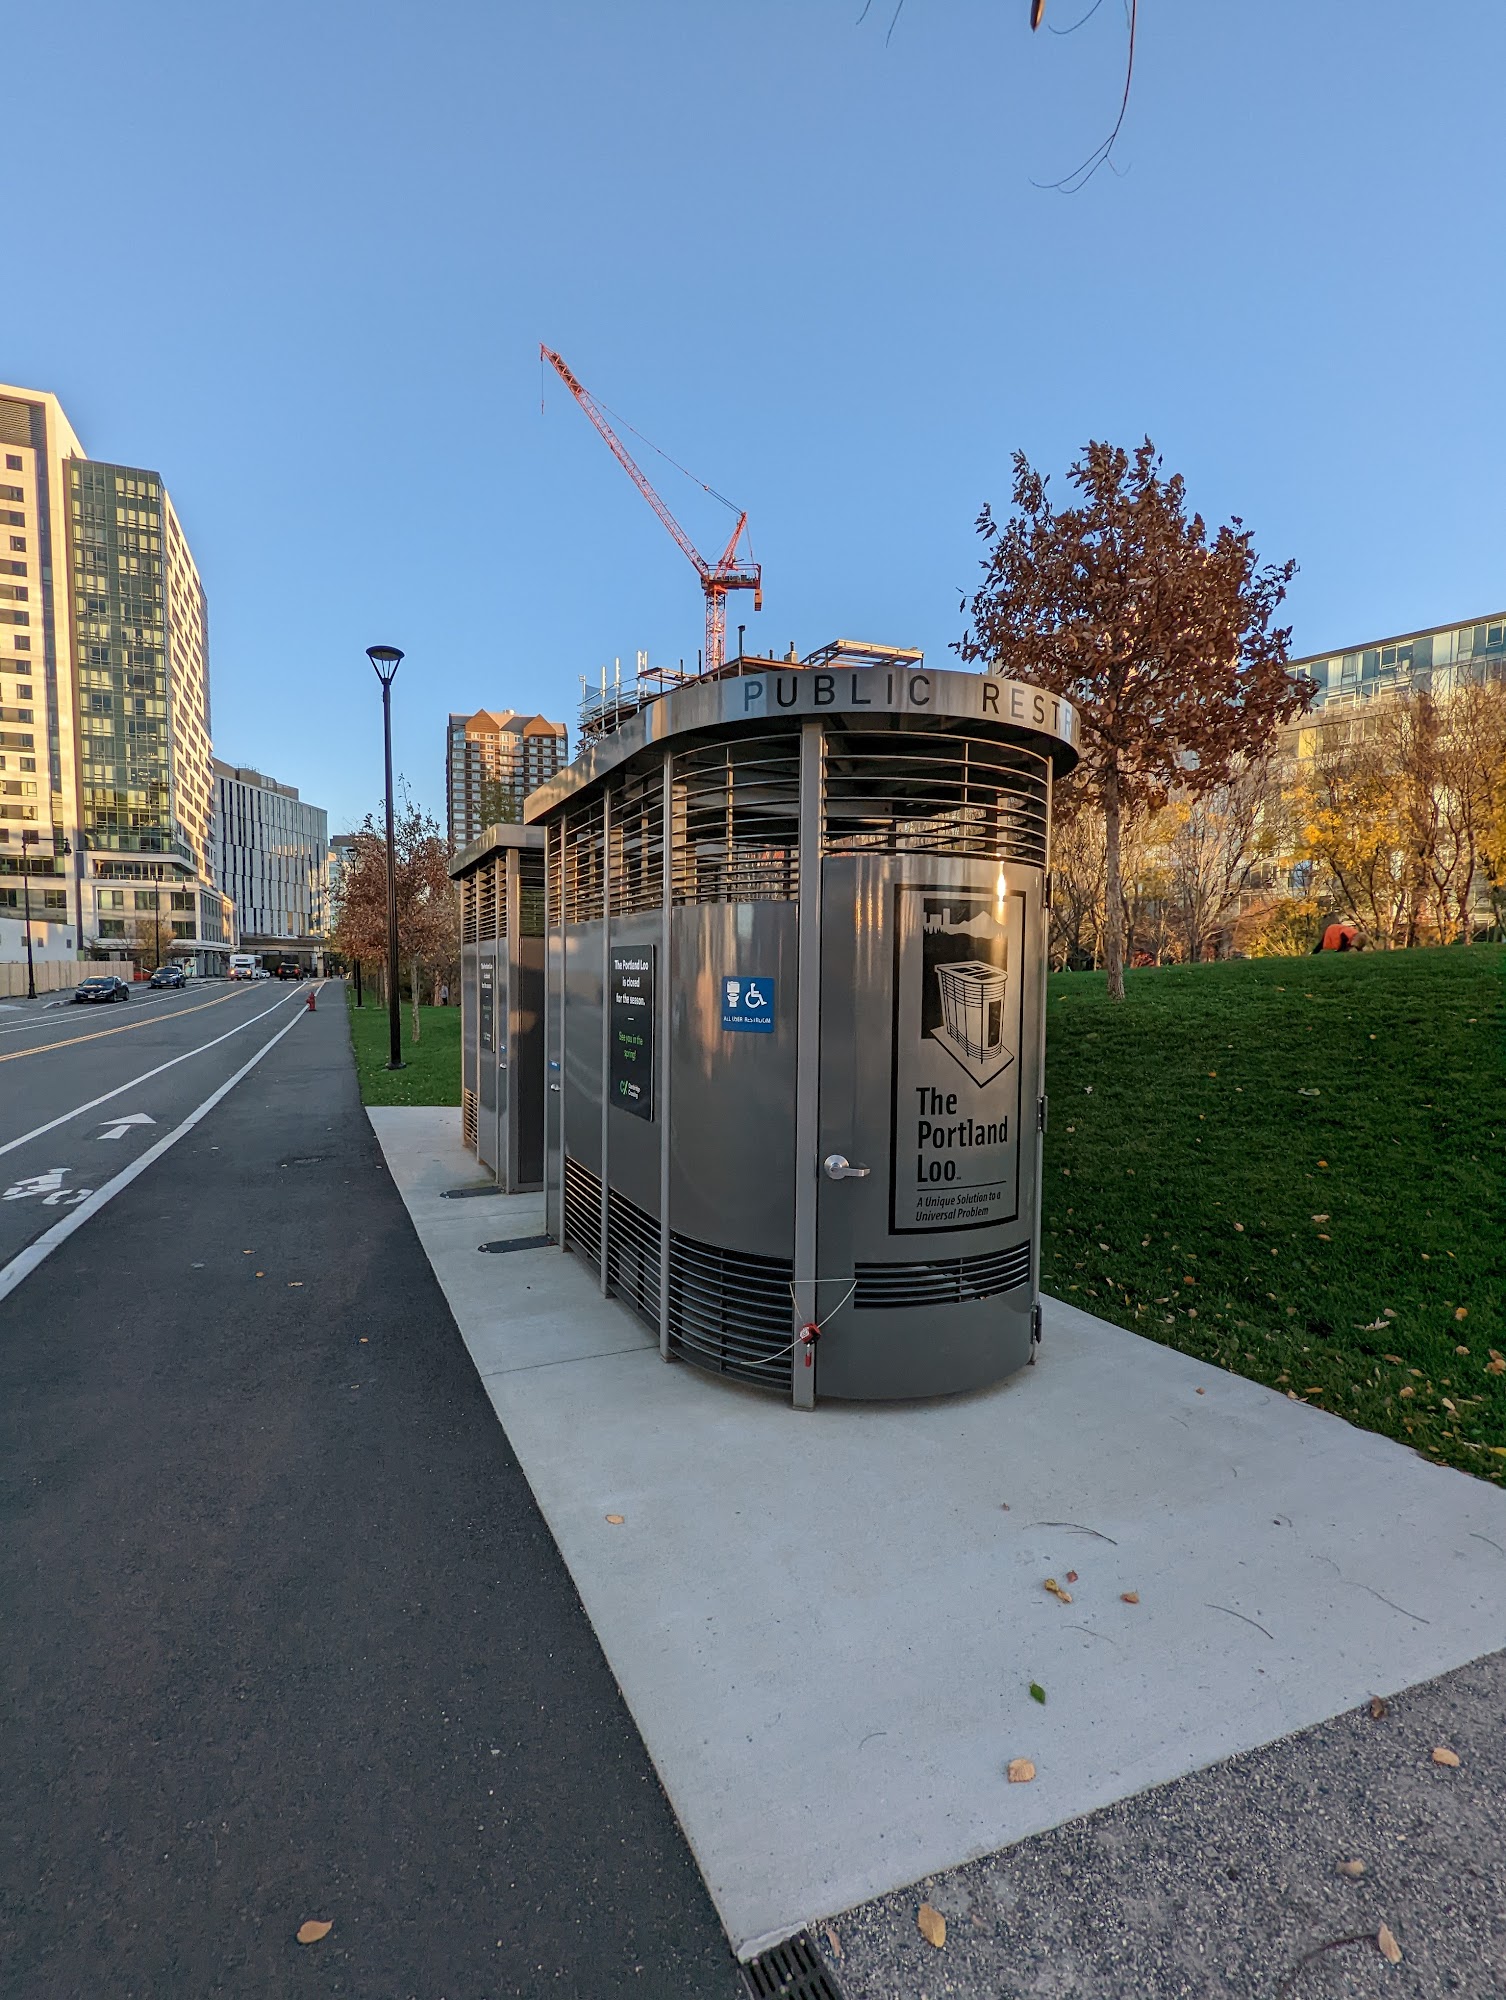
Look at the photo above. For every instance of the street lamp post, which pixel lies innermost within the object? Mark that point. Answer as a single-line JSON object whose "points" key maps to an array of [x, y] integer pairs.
{"points": [[385, 659]]}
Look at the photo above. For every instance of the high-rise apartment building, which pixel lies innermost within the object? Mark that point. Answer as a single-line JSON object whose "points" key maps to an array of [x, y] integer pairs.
{"points": [[112, 616], [272, 859], [1435, 661], [493, 760]]}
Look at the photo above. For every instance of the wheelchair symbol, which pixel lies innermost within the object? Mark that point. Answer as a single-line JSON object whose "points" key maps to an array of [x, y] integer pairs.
{"points": [[753, 999]]}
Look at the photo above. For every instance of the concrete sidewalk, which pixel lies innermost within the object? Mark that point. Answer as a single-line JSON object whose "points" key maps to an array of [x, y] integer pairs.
{"points": [[826, 1626]]}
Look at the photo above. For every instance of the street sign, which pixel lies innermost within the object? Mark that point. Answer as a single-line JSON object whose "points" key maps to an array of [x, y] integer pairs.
{"points": [[747, 1004]]}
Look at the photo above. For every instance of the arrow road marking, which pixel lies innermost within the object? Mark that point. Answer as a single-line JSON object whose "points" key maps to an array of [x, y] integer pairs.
{"points": [[123, 1125]]}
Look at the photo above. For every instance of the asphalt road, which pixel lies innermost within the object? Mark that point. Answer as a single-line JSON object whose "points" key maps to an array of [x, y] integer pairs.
{"points": [[285, 1637], [86, 1090]]}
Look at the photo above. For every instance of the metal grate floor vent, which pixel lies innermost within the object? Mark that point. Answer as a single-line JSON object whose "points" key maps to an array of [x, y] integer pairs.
{"points": [[794, 1970]]}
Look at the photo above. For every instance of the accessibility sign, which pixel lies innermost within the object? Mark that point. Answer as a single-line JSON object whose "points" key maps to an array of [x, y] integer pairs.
{"points": [[748, 1004]]}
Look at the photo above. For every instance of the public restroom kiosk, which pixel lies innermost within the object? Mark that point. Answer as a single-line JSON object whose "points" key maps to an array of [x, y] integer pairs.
{"points": [[501, 883], [795, 1019]]}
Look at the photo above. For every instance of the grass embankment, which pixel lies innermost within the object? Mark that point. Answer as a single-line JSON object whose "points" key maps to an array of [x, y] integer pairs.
{"points": [[433, 1072], [1293, 1168]]}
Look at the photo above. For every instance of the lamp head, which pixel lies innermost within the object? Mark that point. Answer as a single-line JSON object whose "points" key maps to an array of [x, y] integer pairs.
{"points": [[385, 659]]}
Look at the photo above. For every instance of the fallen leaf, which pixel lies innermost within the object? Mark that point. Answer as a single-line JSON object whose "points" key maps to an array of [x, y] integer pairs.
{"points": [[1445, 1756], [1202, 1392], [1378, 1708], [1038, 1693], [1461, 1312], [1056, 1590], [1071, 1576], [931, 1924], [1020, 1771], [1129, 1597], [614, 1520], [313, 1930], [1395, 1360], [1322, 1163], [1389, 1949], [1005, 1505], [295, 1284], [1495, 1366], [1321, 1218], [1408, 1391], [834, 1941], [1240, 1227], [1461, 1350], [1351, 1868]]}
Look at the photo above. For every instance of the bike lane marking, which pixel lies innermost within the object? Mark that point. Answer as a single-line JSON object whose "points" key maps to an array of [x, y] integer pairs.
{"points": [[146, 1075], [26, 1261]]}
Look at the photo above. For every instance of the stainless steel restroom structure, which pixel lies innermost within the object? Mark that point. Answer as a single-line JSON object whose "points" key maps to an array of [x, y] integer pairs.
{"points": [[795, 1018], [501, 884]]}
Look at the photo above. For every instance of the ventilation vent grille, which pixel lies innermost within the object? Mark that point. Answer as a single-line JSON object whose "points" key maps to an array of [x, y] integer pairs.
{"points": [[731, 1313], [468, 1118], [933, 792], [633, 1255], [583, 864], [637, 878], [468, 902], [954, 1281], [737, 822], [582, 1210]]}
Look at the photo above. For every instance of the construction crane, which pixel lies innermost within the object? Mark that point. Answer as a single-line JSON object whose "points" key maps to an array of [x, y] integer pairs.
{"points": [[729, 572]]}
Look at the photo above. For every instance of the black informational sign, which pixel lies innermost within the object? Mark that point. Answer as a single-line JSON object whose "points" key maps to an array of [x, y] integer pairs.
{"points": [[488, 1006], [631, 1000]]}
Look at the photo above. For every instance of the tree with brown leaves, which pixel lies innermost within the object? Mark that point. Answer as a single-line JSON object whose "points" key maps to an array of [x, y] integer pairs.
{"points": [[1160, 638], [428, 912]]}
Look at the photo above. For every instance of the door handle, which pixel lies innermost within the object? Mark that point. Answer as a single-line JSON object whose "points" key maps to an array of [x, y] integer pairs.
{"points": [[839, 1168]]}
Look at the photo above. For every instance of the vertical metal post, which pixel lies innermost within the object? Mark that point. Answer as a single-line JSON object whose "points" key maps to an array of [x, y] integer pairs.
{"points": [[665, 1063], [554, 1018], [1044, 919], [507, 1111], [31, 977], [808, 1058], [394, 1000], [606, 1011]]}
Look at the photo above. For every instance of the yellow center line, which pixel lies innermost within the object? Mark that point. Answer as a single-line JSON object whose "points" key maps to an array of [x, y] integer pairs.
{"points": [[125, 1028]]}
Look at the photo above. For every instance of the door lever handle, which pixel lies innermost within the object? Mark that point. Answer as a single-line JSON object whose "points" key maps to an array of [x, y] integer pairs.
{"points": [[839, 1168]]}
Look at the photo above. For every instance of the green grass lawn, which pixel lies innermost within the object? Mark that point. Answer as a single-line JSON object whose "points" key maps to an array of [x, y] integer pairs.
{"points": [[433, 1072], [1293, 1168]]}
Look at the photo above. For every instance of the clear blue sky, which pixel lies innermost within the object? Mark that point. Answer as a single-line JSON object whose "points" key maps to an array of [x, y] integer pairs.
{"points": [[299, 258]]}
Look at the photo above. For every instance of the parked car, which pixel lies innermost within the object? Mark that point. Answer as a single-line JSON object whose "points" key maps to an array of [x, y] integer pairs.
{"points": [[105, 987], [168, 975]]}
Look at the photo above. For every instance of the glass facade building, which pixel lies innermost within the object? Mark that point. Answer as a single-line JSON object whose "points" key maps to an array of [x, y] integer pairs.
{"points": [[272, 857], [104, 697], [1435, 662]]}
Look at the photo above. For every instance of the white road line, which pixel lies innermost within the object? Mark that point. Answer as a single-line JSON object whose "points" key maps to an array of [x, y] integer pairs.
{"points": [[22, 1266], [145, 1077]]}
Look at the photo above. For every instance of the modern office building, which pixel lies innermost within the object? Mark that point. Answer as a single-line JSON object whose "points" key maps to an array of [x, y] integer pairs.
{"points": [[1435, 661], [272, 853], [106, 671], [492, 759]]}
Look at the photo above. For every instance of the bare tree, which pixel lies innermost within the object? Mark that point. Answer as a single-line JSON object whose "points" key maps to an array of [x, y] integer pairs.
{"points": [[1160, 638], [1213, 852]]}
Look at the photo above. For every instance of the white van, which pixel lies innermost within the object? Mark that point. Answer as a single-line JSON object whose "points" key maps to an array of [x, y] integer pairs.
{"points": [[243, 965]]}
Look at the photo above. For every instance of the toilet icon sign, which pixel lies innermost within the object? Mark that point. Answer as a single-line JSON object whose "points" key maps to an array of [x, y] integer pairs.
{"points": [[748, 1004]]}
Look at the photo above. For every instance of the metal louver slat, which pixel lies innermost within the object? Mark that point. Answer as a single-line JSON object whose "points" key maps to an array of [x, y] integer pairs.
{"points": [[731, 1313], [953, 1281]]}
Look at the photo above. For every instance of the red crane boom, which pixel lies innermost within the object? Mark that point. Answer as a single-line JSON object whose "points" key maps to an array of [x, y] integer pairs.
{"points": [[729, 572]]}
